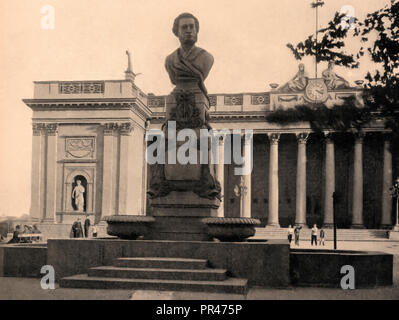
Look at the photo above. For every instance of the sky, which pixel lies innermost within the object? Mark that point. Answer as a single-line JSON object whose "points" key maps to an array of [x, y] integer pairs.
{"points": [[247, 39]]}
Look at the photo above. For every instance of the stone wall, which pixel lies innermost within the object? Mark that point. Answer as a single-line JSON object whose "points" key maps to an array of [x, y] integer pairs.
{"points": [[262, 263]]}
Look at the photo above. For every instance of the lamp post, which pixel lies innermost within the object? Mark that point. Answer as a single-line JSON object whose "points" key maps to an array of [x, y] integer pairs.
{"points": [[315, 5], [395, 194]]}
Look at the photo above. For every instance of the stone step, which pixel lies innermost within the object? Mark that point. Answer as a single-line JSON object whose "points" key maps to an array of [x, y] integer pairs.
{"points": [[154, 273], [161, 263], [342, 234], [230, 285]]}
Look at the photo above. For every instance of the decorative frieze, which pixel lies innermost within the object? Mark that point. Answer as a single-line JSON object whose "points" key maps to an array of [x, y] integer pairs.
{"points": [[213, 100], [232, 100], [156, 102], [80, 147], [77, 87], [260, 99]]}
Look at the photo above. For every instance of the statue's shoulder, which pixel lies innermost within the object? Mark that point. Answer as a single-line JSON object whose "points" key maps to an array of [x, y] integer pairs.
{"points": [[171, 56], [203, 53]]}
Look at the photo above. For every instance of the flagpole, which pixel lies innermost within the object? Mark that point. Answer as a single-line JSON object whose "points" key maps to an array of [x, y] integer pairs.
{"points": [[316, 5]]}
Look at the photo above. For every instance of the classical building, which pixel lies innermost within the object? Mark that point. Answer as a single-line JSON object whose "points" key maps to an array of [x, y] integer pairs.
{"points": [[92, 133]]}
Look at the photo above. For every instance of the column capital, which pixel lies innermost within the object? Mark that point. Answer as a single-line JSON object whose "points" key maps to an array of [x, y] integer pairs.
{"points": [[329, 137], [109, 128], [51, 129], [221, 140], [359, 136], [274, 137], [387, 137], [125, 128], [302, 137], [38, 128], [247, 138]]}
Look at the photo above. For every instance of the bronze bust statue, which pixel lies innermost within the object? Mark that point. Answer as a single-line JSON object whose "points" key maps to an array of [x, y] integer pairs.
{"points": [[187, 105], [188, 63]]}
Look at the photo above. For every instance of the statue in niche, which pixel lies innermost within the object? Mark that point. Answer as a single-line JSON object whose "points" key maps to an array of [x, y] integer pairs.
{"points": [[332, 80], [187, 67], [78, 196], [298, 82]]}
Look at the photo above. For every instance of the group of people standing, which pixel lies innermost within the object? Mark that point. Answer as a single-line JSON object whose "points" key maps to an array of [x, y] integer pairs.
{"points": [[296, 231], [83, 232]]}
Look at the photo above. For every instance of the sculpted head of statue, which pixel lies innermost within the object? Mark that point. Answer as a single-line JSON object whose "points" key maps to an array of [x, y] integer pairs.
{"points": [[186, 27]]}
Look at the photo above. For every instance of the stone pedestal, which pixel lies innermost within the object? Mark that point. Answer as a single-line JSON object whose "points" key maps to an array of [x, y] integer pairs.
{"points": [[178, 216]]}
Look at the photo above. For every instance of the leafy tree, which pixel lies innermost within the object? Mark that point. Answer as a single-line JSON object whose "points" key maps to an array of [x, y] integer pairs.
{"points": [[381, 88]]}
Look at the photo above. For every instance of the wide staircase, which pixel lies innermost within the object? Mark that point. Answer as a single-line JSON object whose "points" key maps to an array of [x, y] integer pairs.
{"points": [[273, 233], [153, 273]]}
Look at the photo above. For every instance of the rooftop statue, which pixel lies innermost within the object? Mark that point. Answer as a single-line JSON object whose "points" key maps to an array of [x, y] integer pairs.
{"points": [[298, 82], [332, 80]]}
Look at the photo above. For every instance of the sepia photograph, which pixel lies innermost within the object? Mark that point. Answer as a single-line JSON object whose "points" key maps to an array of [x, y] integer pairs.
{"points": [[199, 155]]}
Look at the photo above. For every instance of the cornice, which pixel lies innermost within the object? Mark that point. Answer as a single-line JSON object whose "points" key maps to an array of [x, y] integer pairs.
{"points": [[134, 104]]}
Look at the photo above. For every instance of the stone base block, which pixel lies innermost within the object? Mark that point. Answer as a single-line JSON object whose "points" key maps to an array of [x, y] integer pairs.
{"points": [[179, 228], [178, 216], [394, 235], [322, 268], [22, 260]]}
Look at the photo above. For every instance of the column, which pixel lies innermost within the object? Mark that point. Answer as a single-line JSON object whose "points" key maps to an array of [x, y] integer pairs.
{"points": [[220, 174], [386, 218], [273, 181], [145, 173], [37, 192], [246, 179], [125, 135], [357, 202], [51, 172], [329, 182], [300, 219], [107, 183]]}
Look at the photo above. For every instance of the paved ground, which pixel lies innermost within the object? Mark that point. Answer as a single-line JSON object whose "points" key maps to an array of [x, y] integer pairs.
{"points": [[27, 288]]}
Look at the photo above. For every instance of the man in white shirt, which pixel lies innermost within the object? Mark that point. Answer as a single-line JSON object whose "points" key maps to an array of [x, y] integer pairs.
{"points": [[314, 235]]}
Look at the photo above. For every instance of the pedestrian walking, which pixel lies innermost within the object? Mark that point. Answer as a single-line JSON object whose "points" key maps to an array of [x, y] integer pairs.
{"points": [[296, 233], [314, 235], [290, 233], [322, 236]]}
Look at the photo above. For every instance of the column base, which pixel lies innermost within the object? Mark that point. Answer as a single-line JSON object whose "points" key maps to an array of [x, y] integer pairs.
{"points": [[357, 226], [328, 225], [301, 224], [395, 227], [273, 225]]}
